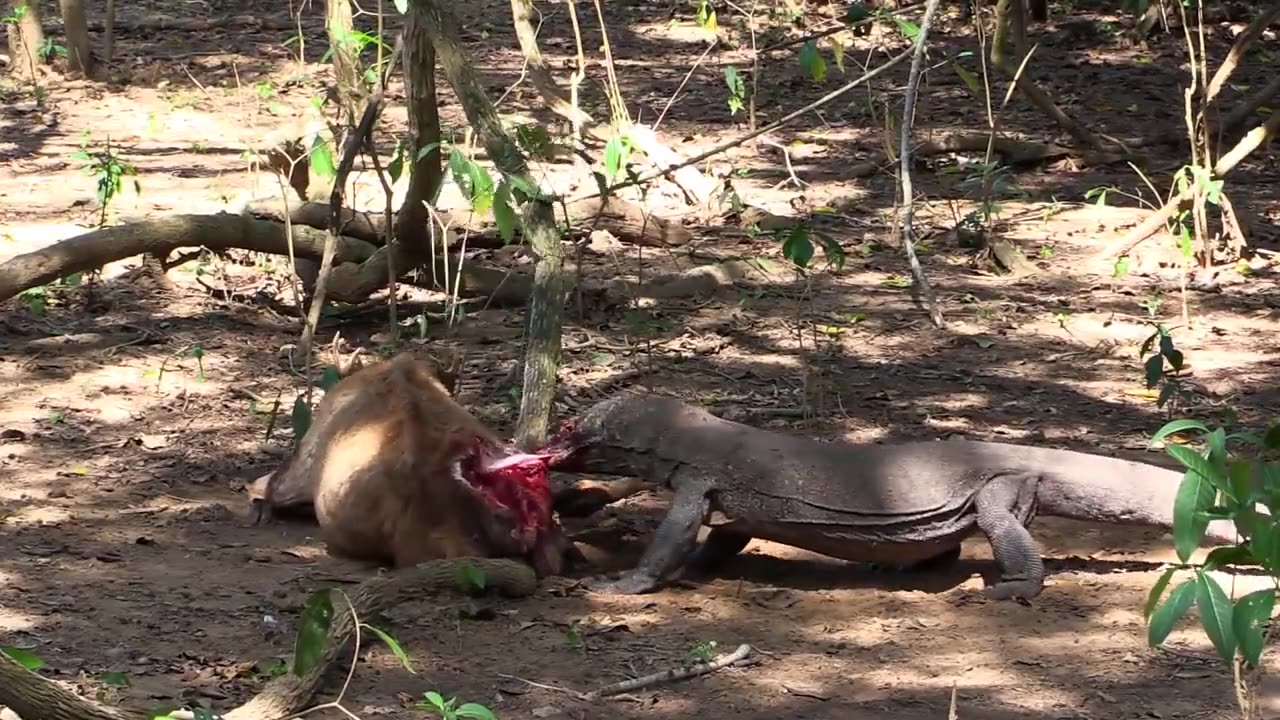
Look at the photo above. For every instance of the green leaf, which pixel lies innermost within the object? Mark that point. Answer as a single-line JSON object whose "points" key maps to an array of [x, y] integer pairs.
{"points": [[1272, 439], [1215, 615], [301, 418], [25, 658], [1251, 613], [1217, 446], [797, 248], [481, 188], [503, 214], [424, 151], [1228, 555], [402, 6], [811, 61], [732, 79], [1196, 462], [1194, 494], [1168, 614], [1177, 426], [615, 156], [908, 29], [832, 249], [1240, 479], [471, 579], [524, 185], [474, 710], [322, 158], [435, 699], [1157, 591], [313, 632], [1154, 370], [837, 52], [970, 80], [329, 378], [1121, 267], [458, 170], [1265, 543], [393, 645], [396, 167]]}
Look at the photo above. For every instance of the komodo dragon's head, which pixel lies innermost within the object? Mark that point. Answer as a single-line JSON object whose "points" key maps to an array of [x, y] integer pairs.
{"points": [[625, 424]]}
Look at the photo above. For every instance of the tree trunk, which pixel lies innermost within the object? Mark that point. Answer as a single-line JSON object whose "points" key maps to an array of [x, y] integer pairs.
{"points": [[25, 38], [546, 301], [346, 61], [426, 173], [76, 26]]}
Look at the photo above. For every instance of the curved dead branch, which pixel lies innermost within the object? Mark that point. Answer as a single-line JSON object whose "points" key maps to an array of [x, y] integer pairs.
{"points": [[34, 697], [160, 237]]}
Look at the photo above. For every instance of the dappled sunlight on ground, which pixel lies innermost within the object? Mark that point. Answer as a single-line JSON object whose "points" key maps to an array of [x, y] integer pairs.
{"points": [[125, 534]]}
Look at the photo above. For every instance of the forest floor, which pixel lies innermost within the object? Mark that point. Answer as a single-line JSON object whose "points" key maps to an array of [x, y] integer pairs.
{"points": [[125, 543]]}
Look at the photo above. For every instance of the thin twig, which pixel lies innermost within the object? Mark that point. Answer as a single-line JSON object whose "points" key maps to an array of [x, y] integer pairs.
{"points": [[666, 676], [674, 674], [904, 152]]}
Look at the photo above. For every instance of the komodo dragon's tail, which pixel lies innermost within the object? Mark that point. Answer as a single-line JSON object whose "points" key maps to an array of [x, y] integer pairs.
{"points": [[1095, 487]]}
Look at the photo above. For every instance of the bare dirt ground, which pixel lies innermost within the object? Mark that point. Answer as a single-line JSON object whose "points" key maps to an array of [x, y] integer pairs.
{"points": [[126, 546]]}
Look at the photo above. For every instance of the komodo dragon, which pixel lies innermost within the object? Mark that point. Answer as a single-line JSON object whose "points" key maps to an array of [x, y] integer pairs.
{"points": [[904, 504]]}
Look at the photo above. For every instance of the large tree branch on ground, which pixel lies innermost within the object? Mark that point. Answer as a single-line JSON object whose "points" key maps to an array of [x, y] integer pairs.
{"points": [[624, 219], [1242, 43], [1225, 165], [160, 237], [358, 269], [33, 697], [546, 302]]}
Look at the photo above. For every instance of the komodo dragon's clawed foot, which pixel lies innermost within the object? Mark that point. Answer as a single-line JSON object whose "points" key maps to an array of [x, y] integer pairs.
{"points": [[632, 583]]}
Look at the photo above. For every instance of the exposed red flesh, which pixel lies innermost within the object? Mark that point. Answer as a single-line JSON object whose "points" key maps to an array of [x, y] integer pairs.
{"points": [[519, 483]]}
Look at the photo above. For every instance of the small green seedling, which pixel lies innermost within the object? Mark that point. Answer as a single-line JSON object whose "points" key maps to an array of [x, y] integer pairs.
{"points": [[435, 702]]}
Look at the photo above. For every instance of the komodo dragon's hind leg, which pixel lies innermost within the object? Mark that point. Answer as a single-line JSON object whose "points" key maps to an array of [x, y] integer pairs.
{"points": [[723, 543], [672, 544], [1004, 504]]}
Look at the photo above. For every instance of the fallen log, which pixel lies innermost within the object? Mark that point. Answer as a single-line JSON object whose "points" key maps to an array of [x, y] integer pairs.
{"points": [[160, 237]]}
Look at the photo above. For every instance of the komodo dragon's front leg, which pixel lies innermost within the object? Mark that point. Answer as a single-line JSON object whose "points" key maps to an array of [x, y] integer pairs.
{"points": [[1004, 504], [674, 542]]}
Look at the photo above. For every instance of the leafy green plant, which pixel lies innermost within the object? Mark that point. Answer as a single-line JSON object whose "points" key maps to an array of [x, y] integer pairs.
{"points": [[110, 172], [800, 241], [1151, 304], [702, 652], [434, 702], [50, 48], [1228, 479], [737, 90], [706, 17], [573, 637], [1172, 391]]}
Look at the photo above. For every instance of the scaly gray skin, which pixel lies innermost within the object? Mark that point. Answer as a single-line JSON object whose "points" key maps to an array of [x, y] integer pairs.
{"points": [[906, 504]]}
